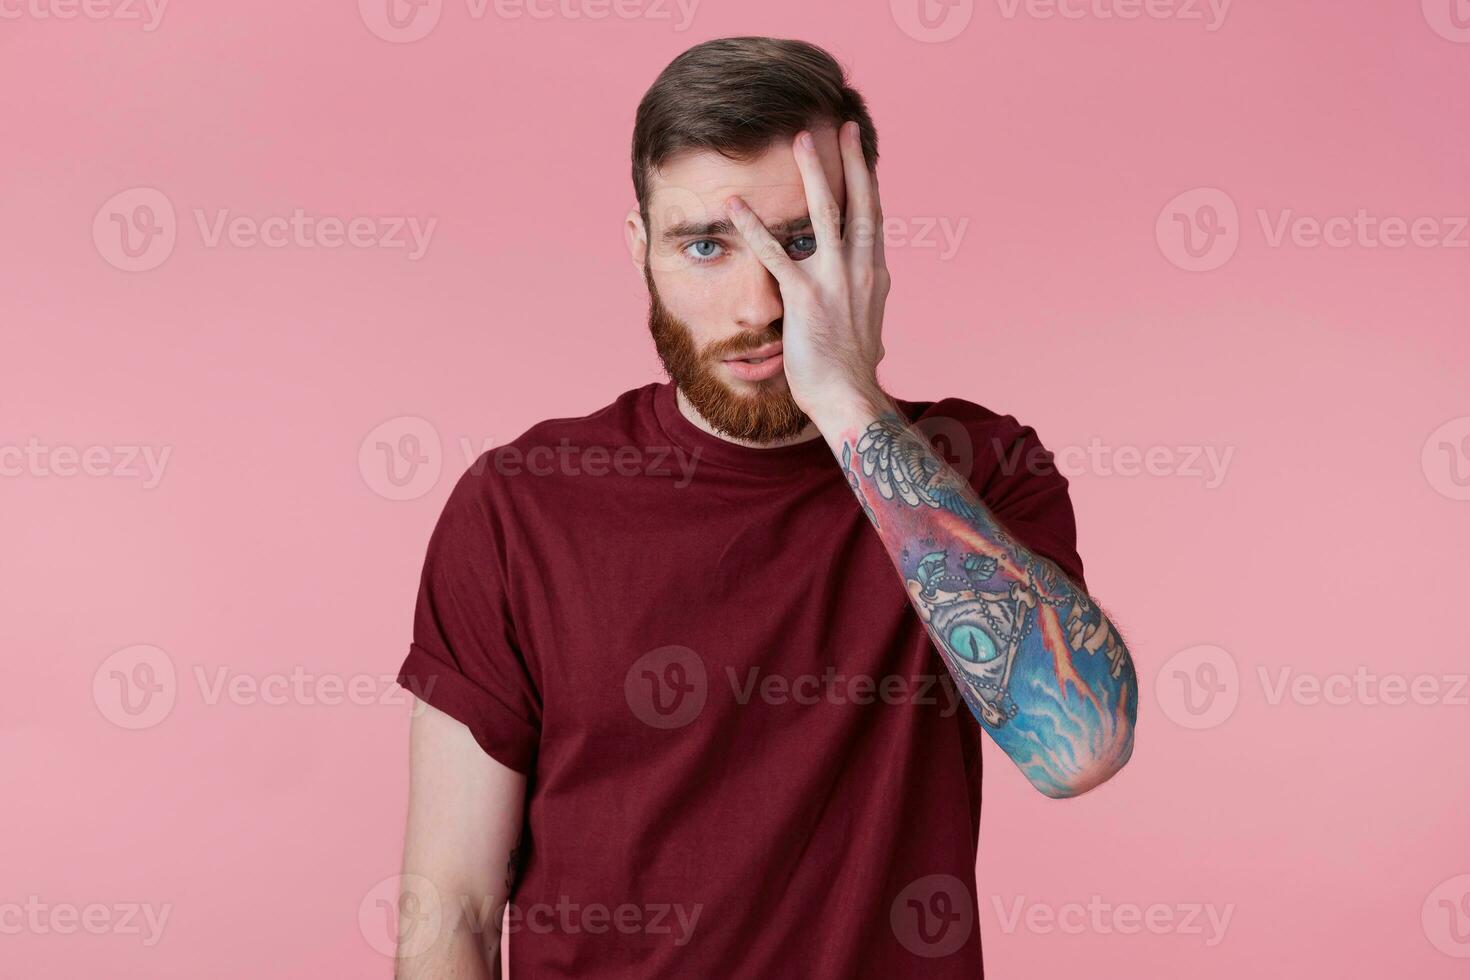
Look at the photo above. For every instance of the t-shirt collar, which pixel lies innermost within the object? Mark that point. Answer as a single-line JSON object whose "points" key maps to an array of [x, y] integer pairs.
{"points": [[801, 456]]}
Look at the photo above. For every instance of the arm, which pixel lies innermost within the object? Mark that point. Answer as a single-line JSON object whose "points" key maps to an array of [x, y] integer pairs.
{"points": [[459, 853], [1037, 660]]}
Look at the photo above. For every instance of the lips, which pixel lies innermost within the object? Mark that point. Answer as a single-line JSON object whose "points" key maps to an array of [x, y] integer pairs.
{"points": [[758, 364], [759, 353]]}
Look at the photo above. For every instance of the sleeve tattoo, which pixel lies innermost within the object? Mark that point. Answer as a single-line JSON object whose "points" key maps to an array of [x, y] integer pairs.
{"points": [[1036, 659]]}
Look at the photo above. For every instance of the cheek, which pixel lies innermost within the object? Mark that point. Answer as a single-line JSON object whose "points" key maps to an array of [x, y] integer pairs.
{"points": [[694, 298]]}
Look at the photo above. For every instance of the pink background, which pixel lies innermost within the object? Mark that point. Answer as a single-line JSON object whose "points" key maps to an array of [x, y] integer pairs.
{"points": [[1333, 833]]}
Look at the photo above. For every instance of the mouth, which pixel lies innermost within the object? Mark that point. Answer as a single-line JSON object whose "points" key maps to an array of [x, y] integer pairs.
{"points": [[756, 365]]}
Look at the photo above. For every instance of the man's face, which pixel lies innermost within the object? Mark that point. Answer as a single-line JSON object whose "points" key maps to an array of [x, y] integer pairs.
{"points": [[714, 309]]}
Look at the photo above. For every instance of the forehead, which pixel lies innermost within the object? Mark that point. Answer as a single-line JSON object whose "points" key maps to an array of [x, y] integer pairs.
{"points": [[694, 185]]}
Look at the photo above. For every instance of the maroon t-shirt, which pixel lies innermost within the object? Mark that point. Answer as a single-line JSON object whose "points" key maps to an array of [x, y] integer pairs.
{"points": [[744, 756]]}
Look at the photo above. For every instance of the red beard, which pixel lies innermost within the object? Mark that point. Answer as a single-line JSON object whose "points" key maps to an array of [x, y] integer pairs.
{"points": [[766, 416]]}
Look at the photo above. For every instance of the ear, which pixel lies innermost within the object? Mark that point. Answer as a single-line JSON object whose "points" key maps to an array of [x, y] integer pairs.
{"points": [[637, 238]]}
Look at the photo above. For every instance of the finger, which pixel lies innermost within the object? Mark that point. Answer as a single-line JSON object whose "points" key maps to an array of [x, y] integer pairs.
{"points": [[879, 259], [821, 204], [765, 247], [863, 228]]}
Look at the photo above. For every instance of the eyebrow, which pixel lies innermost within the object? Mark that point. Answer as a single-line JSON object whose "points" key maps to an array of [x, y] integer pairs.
{"points": [[723, 227]]}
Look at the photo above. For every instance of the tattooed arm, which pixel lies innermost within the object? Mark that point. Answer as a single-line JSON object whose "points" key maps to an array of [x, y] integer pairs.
{"points": [[1037, 660]]}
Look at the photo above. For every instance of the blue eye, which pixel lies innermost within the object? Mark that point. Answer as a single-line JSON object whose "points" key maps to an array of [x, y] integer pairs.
{"points": [[702, 256], [806, 249]]}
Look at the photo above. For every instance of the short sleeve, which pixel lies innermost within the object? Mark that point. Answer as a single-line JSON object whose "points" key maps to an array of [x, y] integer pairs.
{"points": [[464, 658], [1018, 479]]}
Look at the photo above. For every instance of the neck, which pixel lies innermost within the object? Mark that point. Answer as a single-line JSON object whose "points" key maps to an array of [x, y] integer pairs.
{"points": [[807, 434]]}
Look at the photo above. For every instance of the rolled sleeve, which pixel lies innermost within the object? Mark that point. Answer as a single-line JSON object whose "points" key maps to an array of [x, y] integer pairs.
{"points": [[465, 658]]}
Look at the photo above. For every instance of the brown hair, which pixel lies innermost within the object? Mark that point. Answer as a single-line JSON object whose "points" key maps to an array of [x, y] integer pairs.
{"points": [[738, 95]]}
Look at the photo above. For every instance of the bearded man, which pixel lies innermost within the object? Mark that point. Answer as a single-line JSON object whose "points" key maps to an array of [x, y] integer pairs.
{"points": [[727, 723]]}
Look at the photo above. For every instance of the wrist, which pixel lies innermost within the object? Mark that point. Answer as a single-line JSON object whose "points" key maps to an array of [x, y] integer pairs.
{"points": [[849, 409]]}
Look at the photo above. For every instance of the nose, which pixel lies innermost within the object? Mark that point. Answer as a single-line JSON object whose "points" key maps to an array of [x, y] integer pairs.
{"points": [[757, 295]]}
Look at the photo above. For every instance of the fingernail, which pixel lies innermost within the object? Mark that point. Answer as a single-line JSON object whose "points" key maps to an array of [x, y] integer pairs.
{"points": [[736, 204], [806, 140]]}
